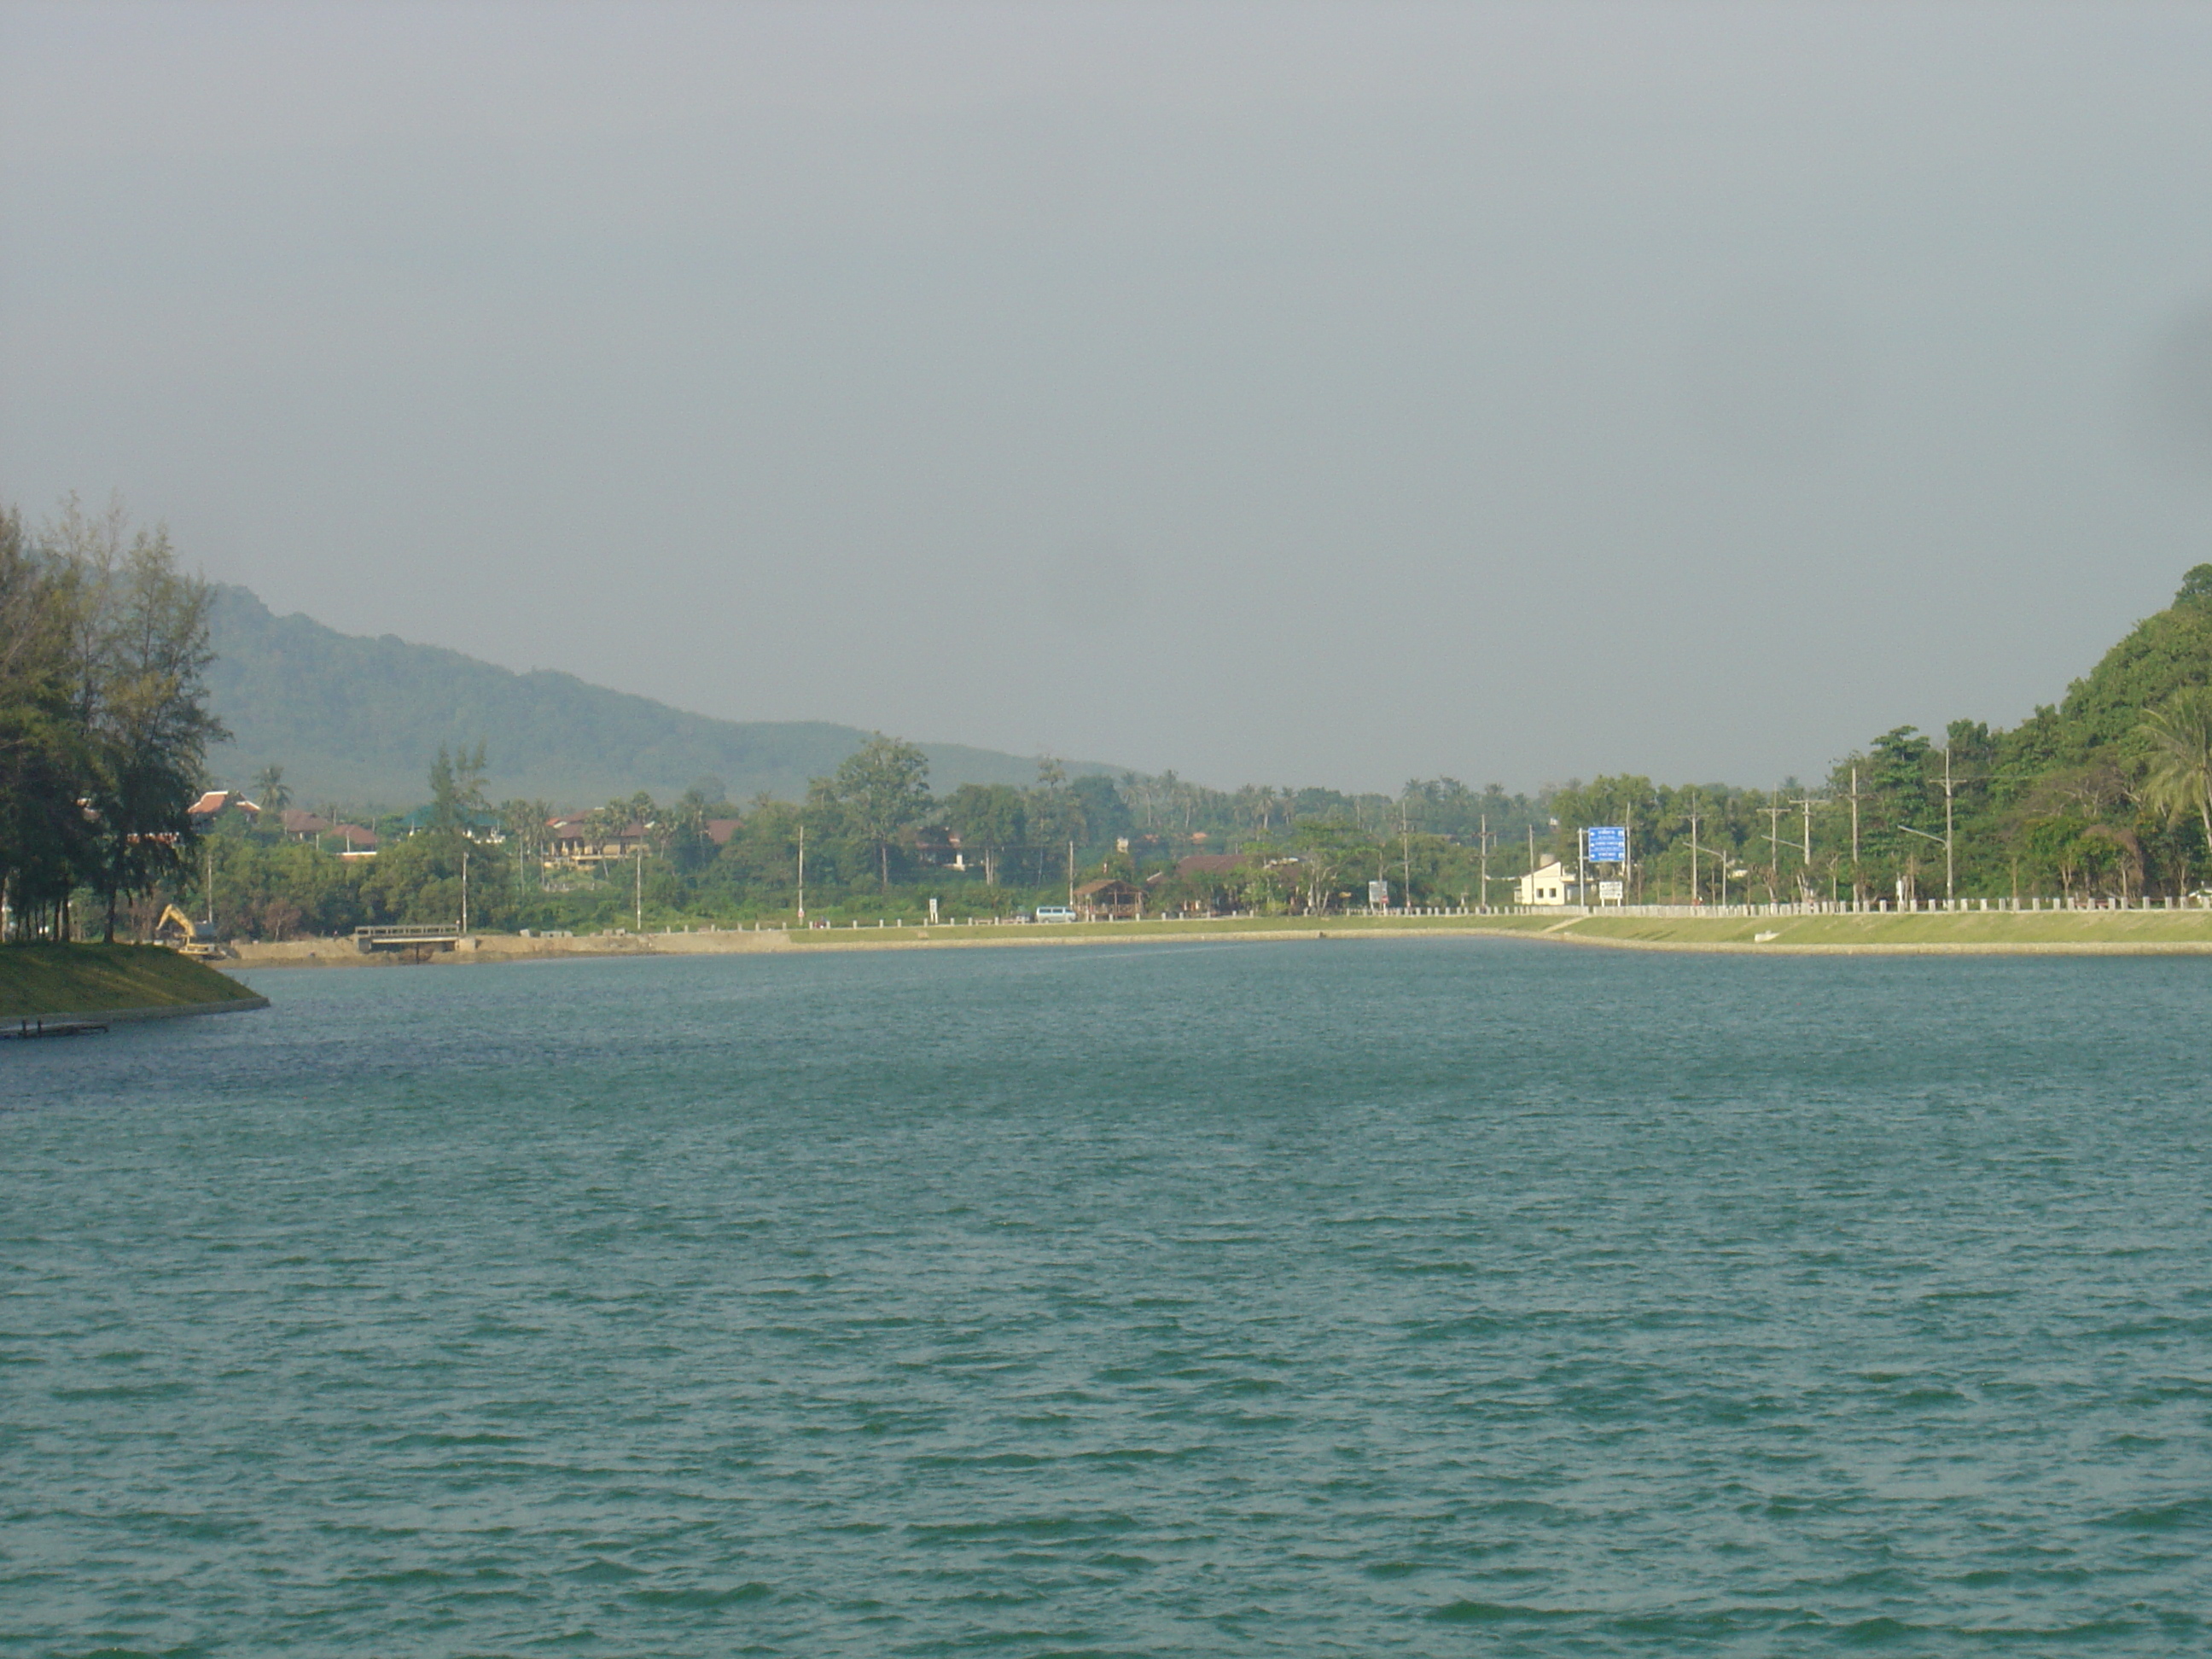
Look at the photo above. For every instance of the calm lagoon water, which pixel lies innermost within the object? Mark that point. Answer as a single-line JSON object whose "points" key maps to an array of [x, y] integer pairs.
{"points": [[1441, 1298]]}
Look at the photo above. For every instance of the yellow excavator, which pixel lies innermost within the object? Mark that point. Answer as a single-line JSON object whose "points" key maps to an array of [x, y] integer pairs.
{"points": [[181, 933]]}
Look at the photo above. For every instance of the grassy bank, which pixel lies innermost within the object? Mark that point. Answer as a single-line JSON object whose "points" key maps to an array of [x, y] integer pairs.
{"points": [[1209, 927], [2056, 931], [38, 980], [2053, 931]]}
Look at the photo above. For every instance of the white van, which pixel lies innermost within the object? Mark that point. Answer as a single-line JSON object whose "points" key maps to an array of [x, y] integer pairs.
{"points": [[1054, 912]]}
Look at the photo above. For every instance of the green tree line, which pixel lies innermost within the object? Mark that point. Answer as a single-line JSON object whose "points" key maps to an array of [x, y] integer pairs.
{"points": [[2105, 795], [103, 730], [104, 720], [870, 840]]}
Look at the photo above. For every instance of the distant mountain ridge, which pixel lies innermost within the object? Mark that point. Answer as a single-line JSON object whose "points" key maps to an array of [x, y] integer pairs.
{"points": [[356, 719]]}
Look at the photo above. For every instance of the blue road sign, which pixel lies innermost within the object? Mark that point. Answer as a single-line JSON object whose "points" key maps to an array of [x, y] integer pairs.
{"points": [[1608, 843]]}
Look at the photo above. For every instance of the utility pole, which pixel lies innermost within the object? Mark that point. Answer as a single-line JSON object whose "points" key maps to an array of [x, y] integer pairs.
{"points": [[802, 869], [1405, 856], [1485, 860], [1694, 895], [465, 887], [1071, 875], [1774, 842], [1945, 837], [638, 871], [1948, 837], [1950, 870], [1720, 862], [1858, 887], [1805, 875]]}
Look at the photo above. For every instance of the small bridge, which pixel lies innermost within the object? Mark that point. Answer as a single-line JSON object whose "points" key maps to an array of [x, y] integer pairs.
{"points": [[426, 937]]}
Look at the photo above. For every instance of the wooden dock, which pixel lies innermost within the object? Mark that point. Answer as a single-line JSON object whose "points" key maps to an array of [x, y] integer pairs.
{"points": [[28, 1029]]}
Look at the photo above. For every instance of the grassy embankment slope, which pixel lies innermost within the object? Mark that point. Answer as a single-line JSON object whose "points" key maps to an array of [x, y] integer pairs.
{"points": [[43, 980]]}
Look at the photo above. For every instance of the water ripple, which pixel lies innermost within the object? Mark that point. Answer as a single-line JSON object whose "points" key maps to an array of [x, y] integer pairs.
{"points": [[1427, 1299]]}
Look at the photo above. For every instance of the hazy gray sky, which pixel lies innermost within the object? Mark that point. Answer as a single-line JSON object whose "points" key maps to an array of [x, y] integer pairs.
{"points": [[1281, 393]]}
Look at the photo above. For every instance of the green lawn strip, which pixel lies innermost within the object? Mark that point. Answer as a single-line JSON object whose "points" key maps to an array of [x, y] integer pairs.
{"points": [[1967, 928], [50, 979], [1971, 927], [1216, 927]]}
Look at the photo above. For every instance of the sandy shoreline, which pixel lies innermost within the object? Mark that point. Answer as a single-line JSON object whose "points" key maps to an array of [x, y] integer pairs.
{"points": [[495, 947]]}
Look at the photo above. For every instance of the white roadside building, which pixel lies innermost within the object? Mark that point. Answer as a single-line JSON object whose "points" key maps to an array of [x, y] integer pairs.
{"points": [[1549, 883]]}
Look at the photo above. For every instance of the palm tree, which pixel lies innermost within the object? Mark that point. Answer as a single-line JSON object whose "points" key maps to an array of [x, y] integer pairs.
{"points": [[268, 787], [2181, 778], [525, 823]]}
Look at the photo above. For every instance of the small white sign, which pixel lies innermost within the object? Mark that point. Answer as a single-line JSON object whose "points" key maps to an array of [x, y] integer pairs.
{"points": [[1378, 895], [1609, 892]]}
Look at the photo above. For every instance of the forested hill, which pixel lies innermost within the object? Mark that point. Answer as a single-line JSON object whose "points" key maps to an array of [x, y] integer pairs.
{"points": [[2100, 721], [357, 721], [2105, 794]]}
